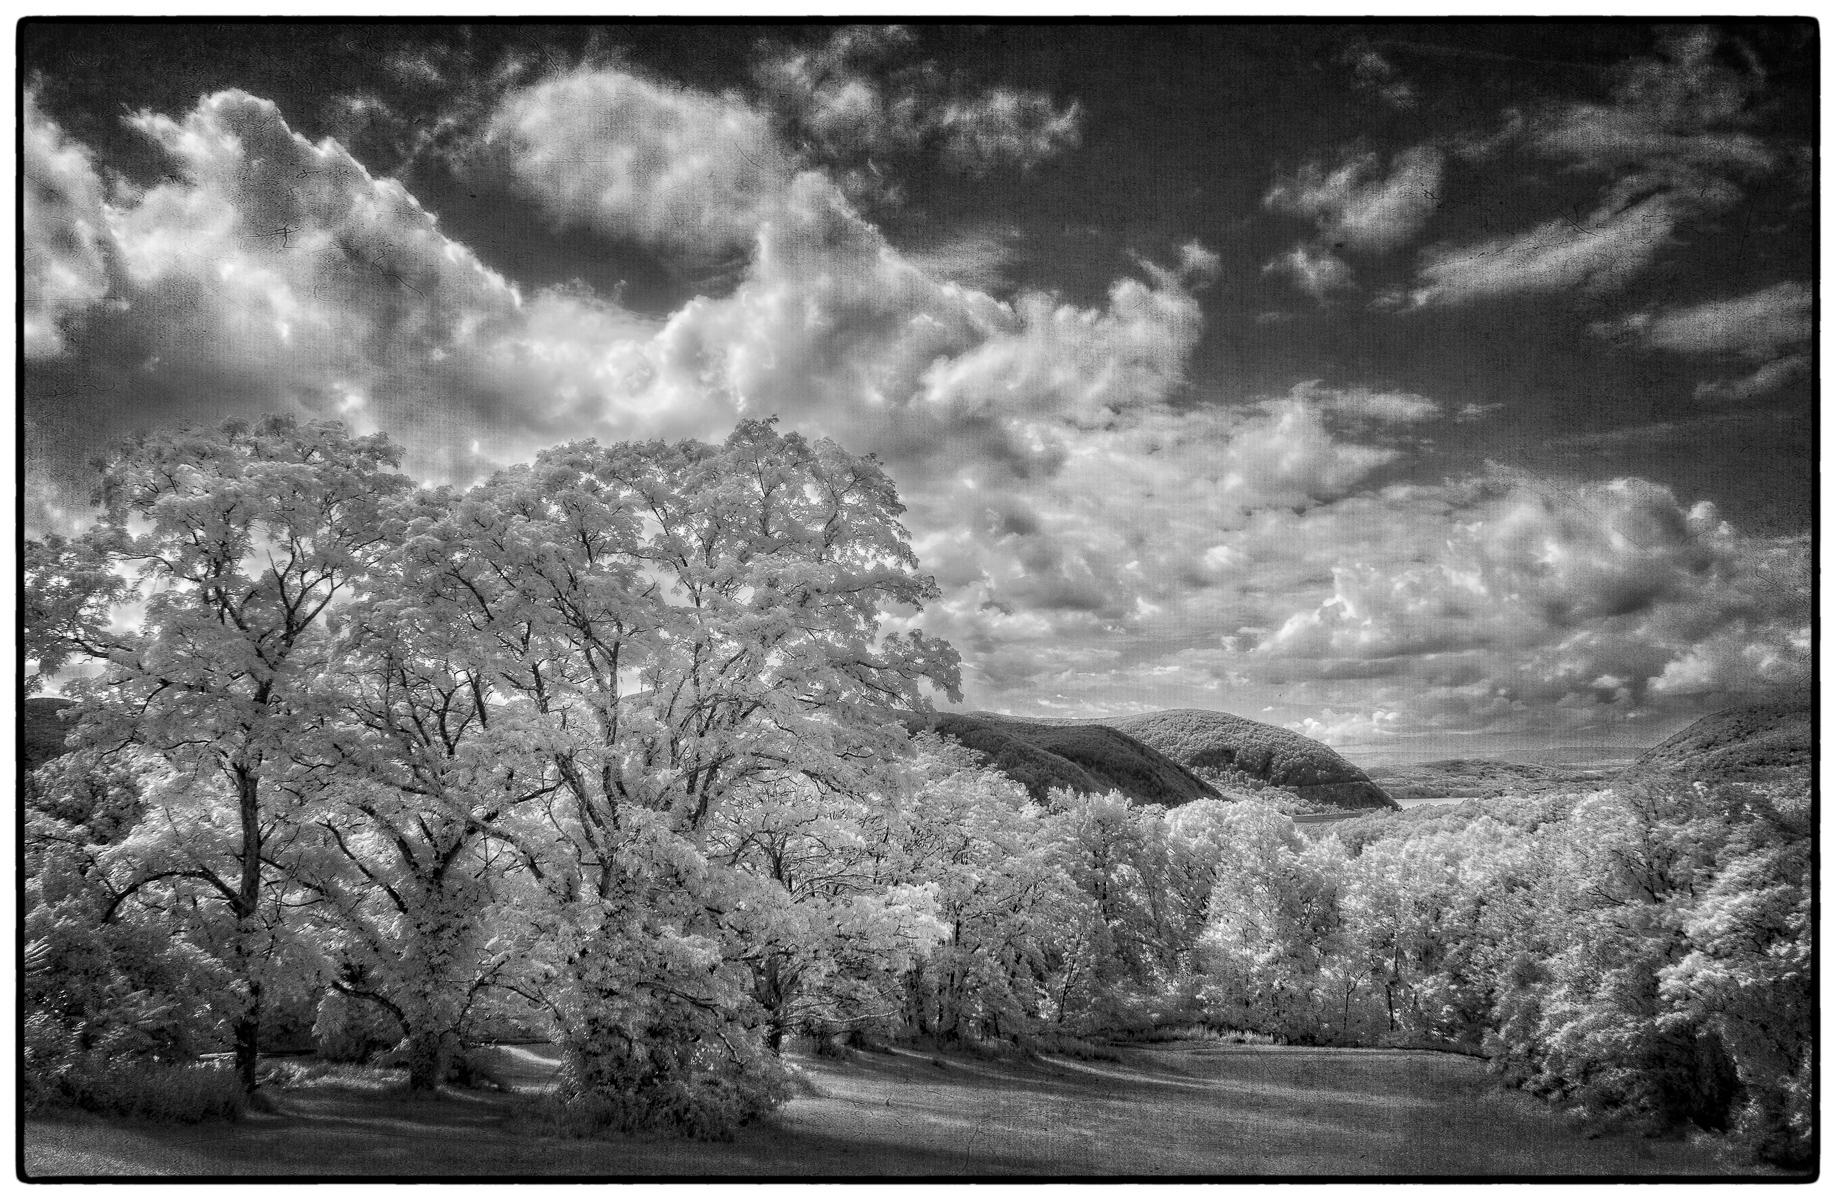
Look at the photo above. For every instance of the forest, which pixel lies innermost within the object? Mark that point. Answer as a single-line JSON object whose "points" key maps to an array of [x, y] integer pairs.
{"points": [[610, 751]]}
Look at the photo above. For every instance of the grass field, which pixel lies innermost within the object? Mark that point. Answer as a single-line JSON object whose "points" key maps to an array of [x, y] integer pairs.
{"points": [[1181, 1109]]}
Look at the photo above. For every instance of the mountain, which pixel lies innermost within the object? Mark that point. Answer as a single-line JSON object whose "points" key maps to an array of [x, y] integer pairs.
{"points": [[1198, 738], [1042, 755], [41, 730], [1753, 743], [1153, 758]]}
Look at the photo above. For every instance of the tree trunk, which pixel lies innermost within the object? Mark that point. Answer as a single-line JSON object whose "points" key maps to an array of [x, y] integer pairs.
{"points": [[429, 1057], [248, 901], [248, 1040]]}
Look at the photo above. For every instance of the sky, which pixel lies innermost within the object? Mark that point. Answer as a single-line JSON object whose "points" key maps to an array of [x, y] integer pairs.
{"points": [[1429, 388]]}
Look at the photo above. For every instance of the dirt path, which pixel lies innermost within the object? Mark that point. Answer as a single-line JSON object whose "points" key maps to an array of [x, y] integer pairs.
{"points": [[1185, 1110]]}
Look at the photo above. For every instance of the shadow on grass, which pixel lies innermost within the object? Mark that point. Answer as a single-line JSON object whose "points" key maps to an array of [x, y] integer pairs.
{"points": [[918, 1112]]}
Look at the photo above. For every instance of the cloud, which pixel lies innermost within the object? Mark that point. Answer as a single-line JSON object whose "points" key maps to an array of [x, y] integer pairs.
{"points": [[1357, 205], [1600, 254], [1672, 149], [1319, 273], [267, 273], [1757, 326], [1363, 403], [1005, 127], [1509, 593], [667, 166], [851, 110], [1768, 377], [1091, 520], [1680, 109], [64, 233], [1372, 72], [1772, 327]]}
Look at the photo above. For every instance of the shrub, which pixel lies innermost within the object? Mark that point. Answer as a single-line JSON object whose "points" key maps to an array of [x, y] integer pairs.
{"points": [[707, 1109], [350, 1030], [183, 1093]]}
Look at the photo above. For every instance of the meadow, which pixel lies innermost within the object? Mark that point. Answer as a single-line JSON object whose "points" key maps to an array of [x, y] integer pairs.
{"points": [[1175, 1109]]}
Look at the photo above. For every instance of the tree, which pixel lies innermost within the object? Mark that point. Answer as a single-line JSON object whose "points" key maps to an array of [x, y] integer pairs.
{"points": [[416, 794], [669, 625], [238, 540], [1274, 947], [1015, 928], [1136, 874]]}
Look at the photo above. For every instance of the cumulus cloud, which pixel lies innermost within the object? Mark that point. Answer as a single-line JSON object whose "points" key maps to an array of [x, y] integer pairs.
{"points": [[1509, 594], [632, 158], [1360, 206], [1086, 516], [64, 233], [274, 273], [268, 273]]}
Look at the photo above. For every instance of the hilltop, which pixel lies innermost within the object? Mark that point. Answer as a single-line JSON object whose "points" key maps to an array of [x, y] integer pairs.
{"points": [[1042, 755], [1158, 758], [1199, 739], [1754, 743]]}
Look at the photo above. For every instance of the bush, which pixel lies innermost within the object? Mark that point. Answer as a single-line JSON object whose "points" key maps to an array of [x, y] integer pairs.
{"points": [[708, 1109], [349, 1030], [183, 1093]]}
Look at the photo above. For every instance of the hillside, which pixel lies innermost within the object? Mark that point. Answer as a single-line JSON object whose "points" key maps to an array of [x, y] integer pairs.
{"points": [[1750, 744], [41, 732], [1485, 777], [1042, 755], [1199, 739], [1156, 758]]}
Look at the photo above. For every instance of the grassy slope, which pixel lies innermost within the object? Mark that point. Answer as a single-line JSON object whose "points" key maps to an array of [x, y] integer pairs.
{"points": [[1202, 1109]]}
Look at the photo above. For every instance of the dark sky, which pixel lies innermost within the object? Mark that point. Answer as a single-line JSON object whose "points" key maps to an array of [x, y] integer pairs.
{"points": [[1417, 385]]}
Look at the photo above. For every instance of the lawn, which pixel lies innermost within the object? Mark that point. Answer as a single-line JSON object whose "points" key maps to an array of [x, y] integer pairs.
{"points": [[1185, 1109]]}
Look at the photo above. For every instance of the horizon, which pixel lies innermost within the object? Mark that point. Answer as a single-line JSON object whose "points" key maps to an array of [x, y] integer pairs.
{"points": [[1429, 389]]}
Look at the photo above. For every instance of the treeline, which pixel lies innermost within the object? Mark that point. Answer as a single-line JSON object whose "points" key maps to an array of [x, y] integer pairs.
{"points": [[1643, 953]]}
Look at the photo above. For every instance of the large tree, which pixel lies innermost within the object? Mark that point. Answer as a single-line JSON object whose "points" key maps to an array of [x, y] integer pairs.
{"points": [[234, 543], [668, 624]]}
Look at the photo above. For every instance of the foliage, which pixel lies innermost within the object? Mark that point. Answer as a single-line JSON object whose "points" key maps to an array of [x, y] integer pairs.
{"points": [[619, 743], [1642, 953]]}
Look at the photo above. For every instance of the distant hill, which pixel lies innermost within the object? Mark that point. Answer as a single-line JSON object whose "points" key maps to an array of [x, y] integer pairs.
{"points": [[1154, 758], [1486, 777], [1042, 755], [1751, 744], [41, 730], [1198, 739]]}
